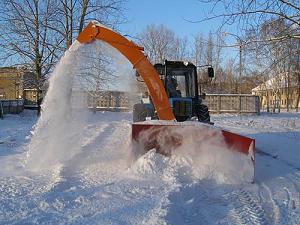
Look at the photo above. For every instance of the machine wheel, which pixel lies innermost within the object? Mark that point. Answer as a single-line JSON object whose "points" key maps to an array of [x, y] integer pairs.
{"points": [[203, 114], [139, 113]]}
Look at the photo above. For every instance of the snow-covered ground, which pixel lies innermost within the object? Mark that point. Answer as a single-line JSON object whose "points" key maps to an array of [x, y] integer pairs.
{"points": [[101, 184], [76, 167]]}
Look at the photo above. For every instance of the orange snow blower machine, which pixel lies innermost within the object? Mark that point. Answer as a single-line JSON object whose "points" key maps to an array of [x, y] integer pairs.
{"points": [[174, 111]]}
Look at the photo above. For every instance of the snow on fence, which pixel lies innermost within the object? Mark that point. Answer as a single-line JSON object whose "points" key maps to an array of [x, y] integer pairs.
{"points": [[232, 103], [217, 103], [11, 106]]}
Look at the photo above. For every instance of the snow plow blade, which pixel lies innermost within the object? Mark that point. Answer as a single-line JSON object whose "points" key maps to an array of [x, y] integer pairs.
{"points": [[167, 137]]}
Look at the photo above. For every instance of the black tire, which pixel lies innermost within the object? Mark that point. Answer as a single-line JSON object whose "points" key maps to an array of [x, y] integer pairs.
{"points": [[139, 113], [203, 114]]}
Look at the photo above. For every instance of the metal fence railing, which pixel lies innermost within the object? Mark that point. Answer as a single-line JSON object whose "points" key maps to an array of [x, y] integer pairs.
{"points": [[11, 106], [232, 103]]}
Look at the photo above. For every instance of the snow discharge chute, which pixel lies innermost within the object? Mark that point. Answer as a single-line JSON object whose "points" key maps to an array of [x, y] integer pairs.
{"points": [[167, 135]]}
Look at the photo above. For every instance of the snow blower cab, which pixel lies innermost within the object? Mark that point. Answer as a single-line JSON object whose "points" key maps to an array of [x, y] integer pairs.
{"points": [[180, 83]]}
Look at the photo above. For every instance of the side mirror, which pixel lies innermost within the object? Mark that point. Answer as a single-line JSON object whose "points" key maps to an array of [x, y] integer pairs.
{"points": [[210, 72]]}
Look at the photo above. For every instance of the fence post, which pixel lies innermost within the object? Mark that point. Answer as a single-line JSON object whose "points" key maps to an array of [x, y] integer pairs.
{"points": [[257, 101], [118, 100], [219, 104], [109, 100], [240, 103]]}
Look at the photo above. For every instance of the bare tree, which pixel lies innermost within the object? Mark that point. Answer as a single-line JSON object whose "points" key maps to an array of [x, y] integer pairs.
{"points": [[209, 49], [158, 42], [180, 51], [208, 53], [26, 38], [272, 47], [74, 14], [296, 66], [276, 58], [248, 14], [35, 33], [197, 56], [197, 53], [230, 79], [94, 76]]}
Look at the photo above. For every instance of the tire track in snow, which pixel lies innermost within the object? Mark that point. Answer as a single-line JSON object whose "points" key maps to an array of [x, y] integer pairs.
{"points": [[290, 210], [273, 211], [246, 210], [277, 211], [288, 201], [284, 197], [295, 180]]}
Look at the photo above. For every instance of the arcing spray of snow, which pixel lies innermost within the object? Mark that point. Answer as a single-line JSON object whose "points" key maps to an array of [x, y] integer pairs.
{"points": [[83, 69], [53, 140], [197, 152]]}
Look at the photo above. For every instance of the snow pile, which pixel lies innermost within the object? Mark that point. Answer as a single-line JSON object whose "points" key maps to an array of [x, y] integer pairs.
{"points": [[170, 169], [202, 154]]}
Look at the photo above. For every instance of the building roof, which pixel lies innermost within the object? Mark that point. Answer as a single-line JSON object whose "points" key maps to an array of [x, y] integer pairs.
{"points": [[277, 82], [10, 72]]}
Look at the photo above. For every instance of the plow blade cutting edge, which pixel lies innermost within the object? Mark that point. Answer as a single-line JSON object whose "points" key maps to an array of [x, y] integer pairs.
{"points": [[167, 137]]}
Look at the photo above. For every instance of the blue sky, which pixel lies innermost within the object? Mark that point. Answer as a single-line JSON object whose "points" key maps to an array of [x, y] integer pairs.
{"points": [[174, 15], [170, 13]]}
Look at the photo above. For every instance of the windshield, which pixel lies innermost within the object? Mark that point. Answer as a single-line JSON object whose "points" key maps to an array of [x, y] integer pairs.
{"points": [[180, 82]]}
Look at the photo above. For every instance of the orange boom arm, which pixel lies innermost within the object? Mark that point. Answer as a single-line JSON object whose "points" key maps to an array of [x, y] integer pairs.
{"points": [[139, 61]]}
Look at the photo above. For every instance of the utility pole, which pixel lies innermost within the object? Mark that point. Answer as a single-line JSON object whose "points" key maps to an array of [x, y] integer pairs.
{"points": [[240, 64], [240, 45]]}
